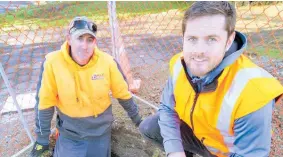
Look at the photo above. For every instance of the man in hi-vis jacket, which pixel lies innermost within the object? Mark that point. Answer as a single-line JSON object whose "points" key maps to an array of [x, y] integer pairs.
{"points": [[76, 81], [216, 101]]}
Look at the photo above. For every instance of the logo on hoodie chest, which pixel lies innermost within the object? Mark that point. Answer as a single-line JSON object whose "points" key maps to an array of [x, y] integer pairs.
{"points": [[97, 76]]}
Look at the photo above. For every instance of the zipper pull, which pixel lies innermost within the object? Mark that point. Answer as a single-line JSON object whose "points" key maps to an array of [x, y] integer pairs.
{"points": [[202, 139]]}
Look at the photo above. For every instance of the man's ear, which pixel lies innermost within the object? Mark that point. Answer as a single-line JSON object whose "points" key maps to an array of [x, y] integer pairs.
{"points": [[68, 38], [230, 40]]}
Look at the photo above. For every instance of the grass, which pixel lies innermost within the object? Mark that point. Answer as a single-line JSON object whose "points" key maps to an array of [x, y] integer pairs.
{"points": [[270, 52], [60, 13]]}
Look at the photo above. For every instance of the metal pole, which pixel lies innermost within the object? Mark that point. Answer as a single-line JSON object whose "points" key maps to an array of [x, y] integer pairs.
{"points": [[12, 93], [112, 15], [20, 153], [146, 102], [118, 48]]}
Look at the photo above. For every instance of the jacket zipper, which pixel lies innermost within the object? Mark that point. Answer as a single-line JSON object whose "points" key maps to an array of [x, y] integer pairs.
{"points": [[192, 110], [196, 91]]}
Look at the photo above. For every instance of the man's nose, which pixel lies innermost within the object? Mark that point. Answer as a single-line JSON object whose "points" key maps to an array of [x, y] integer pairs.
{"points": [[200, 48], [84, 44]]}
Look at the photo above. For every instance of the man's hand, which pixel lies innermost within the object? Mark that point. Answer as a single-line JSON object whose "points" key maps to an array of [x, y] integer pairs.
{"points": [[134, 86], [38, 149], [177, 154]]}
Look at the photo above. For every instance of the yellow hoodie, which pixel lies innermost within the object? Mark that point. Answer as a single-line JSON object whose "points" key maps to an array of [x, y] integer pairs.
{"points": [[80, 91]]}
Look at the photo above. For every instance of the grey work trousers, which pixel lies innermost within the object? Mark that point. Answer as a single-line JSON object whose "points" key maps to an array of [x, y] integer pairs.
{"points": [[98, 147], [150, 129]]}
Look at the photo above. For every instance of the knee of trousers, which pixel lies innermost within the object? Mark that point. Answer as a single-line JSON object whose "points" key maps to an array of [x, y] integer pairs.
{"points": [[148, 128]]}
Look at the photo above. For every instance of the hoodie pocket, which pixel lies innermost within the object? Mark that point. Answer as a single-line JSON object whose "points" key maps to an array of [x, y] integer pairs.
{"points": [[71, 128]]}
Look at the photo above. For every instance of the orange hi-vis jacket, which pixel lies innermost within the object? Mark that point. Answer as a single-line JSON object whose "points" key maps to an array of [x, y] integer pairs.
{"points": [[241, 88]]}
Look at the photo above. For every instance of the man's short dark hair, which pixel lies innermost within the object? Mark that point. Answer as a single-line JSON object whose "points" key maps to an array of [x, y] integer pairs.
{"points": [[209, 8]]}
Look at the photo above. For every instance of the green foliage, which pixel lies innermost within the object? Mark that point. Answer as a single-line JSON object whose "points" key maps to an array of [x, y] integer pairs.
{"points": [[57, 13], [256, 3], [262, 51]]}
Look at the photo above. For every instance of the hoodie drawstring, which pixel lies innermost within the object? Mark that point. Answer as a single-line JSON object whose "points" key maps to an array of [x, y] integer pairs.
{"points": [[78, 88]]}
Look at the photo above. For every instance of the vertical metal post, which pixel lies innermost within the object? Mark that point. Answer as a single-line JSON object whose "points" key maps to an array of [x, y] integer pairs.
{"points": [[118, 48], [113, 27], [12, 93]]}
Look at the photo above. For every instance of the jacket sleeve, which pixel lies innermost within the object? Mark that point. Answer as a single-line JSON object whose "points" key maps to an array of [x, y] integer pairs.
{"points": [[119, 88], [118, 83], [169, 121], [131, 107], [46, 98], [253, 133]]}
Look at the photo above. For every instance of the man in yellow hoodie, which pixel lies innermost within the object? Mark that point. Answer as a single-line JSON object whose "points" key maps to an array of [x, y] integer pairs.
{"points": [[76, 81], [216, 101]]}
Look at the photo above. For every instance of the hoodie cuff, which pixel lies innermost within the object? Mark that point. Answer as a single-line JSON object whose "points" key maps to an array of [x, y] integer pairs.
{"points": [[43, 140], [172, 146], [136, 119]]}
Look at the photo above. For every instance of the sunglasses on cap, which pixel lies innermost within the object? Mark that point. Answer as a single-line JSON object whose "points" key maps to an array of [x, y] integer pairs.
{"points": [[82, 24]]}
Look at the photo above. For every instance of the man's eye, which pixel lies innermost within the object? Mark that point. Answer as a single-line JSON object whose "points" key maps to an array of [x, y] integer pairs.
{"points": [[212, 40], [90, 40], [80, 38], [192, 39]]}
